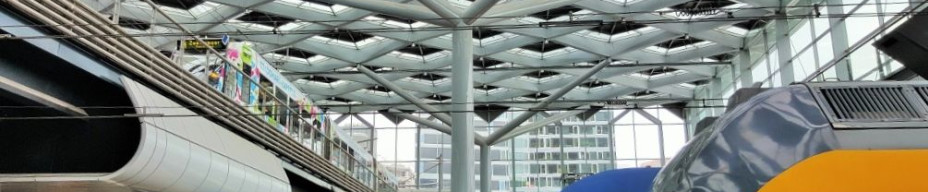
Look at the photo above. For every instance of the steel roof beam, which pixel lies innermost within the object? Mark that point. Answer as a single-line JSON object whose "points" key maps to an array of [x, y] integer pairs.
{"points": [[612, 77], [339, 74], [476, 10], [537, 124], [443, 9], [403, 93], [532, 111], [478, 139], [395, 9], [660, 131], [226, 15], [374, 54], [521, 8]]}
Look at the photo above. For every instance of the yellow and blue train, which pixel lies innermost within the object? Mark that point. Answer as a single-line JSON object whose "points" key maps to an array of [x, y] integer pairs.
{"points": [[839, 136]]}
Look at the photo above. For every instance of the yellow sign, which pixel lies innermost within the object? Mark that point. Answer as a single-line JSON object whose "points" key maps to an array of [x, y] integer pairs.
{"points": [[194, 45]]}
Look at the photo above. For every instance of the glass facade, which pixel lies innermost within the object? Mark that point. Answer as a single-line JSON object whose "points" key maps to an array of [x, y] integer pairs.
{"points": [[818, 38], [536, 161], [814, 39]]}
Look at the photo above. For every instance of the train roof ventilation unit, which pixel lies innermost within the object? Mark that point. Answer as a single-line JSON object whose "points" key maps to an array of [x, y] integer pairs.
{"points": [[870, 103], [879, 105]]}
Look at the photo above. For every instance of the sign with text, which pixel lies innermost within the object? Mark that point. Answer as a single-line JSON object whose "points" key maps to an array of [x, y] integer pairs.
{"points": [[194, 46]]}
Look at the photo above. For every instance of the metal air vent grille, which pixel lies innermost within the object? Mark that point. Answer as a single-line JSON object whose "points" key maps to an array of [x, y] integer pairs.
{"points": [[870, 103], [922, 92]]}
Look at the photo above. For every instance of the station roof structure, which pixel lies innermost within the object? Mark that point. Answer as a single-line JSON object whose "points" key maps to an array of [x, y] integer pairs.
{"points": [[661, 50]]}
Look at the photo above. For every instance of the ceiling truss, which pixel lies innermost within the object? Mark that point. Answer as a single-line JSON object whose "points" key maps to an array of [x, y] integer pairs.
{"points": [[394, 29]]}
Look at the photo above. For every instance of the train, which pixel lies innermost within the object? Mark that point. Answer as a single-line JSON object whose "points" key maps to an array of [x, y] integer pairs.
{"points": [[824, 136], [253, 83], [818, 136]]}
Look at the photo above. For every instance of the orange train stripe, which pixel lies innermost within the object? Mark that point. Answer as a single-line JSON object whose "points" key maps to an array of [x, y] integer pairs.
{"points": [[856, 170]]}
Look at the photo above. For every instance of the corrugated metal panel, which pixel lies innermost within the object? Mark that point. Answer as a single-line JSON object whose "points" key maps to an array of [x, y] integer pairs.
{"points": [[870, 103]]}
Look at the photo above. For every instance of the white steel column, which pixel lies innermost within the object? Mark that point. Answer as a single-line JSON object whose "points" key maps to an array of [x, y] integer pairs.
{"points": [[660, 132], [479, 140], [744, 64], [784, 51], [715, 90], [462, 117], [485, 171], [839, 41]]}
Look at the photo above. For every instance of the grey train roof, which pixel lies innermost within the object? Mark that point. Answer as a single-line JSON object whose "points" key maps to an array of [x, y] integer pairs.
{"points": [[761, 138]]}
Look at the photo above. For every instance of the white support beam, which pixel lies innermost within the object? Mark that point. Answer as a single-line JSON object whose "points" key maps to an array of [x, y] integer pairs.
{"points": [[476, 10], [228, 13], [768, 4], [462, 107], [372, 133], [546, 61], [395, 9], [405, 94], [532, 111], [363, 121], [478, 139], [839, 40], [784, 52], [341, 118], [521, 8], [618, 117], [743, 65], [660, 132], [443, 9], [537, 124], [485, 168]]}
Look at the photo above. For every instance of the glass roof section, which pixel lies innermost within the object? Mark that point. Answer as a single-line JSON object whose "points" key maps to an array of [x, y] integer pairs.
{"points": [[510, 40]]}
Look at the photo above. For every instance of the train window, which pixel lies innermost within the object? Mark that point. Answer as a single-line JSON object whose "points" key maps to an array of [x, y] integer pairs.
{"points": [[307, 134], [281, 113], [293, 120]]}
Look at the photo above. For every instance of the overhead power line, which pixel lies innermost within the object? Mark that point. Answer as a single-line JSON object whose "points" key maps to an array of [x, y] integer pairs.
{"points": [[18, 107], [160, 115], [448, 70]]}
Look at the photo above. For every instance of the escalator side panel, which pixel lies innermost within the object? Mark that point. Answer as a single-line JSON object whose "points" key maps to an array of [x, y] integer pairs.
{"points": [[192, 146]]}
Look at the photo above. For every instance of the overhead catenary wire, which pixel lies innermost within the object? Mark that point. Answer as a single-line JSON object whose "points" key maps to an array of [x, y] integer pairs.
{"points": [[448, 70], [9, 107], [159, 115]]}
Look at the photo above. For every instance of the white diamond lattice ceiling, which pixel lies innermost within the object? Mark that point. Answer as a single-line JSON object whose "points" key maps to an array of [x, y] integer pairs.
{"points": [[317, 43]]}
